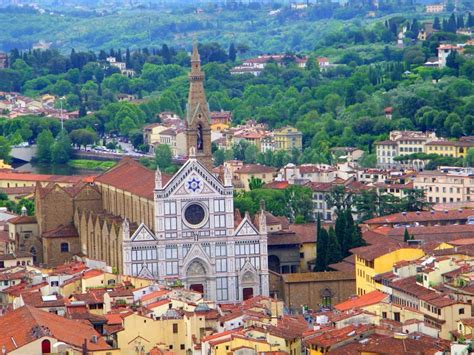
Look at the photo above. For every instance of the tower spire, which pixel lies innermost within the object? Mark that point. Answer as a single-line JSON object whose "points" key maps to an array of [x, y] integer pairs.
{"points": [[198, 134]]}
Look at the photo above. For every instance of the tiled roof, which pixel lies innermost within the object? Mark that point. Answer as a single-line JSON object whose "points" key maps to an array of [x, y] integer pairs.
{"points": [[368, 299], [23, 220], [372, 252], [35, 299], [27, 324], [399, 346], [277, 185], [40, 177], [421, 217], [131, 176], [330, 337], [68, 231], [255, 169]]}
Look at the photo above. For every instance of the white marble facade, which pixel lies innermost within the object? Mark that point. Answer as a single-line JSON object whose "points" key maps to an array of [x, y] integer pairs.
{"points": [[195, 240]]}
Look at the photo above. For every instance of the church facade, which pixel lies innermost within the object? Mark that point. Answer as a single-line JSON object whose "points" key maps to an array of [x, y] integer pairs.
{"points": [[195, 240]]}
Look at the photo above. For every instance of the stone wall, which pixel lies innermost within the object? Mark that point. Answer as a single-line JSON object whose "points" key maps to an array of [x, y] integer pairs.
{"points": [[52, 250], [309, 289]]}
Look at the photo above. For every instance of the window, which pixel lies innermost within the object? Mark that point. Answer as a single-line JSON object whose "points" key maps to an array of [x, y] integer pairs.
{"points": [[2, 264], [175, 328], [64, 247], [221, 265], [171, 268], [221, 249], [171, 252], [54, 283], [384, 315], [396, 316], [219, 221], [181, 346], [461, 310], [219, 205], [170, 208], [221, 287]]}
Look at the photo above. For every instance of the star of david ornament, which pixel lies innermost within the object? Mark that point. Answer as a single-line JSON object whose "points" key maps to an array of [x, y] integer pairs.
{"points": [[194, 185]]}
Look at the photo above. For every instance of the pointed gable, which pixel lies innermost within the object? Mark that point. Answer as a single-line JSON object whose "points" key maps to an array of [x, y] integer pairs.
{"points": [[246, 228], [193, 168], [143, 234]]}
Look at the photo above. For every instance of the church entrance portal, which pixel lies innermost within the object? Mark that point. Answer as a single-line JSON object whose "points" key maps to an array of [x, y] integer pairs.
{"points": [[248, 293], [196, 277], [197, 288]]}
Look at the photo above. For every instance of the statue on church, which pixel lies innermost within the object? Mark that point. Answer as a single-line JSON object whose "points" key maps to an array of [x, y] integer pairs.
{"points": [[200, 143]]}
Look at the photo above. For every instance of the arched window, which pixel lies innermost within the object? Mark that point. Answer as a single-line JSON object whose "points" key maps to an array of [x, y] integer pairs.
{"points": [[64, 247], [33, 253], [46, 347]]}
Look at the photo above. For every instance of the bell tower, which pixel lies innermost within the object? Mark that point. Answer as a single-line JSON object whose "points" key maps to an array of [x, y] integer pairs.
{"points": [[198, 132]]}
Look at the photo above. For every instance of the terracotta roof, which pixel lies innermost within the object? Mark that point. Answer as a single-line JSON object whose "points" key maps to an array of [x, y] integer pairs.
{"points": [[398, 346], [68, 231], [27, 324], [410, 286], [255, 169], [35, 299], [368, 299], [330, 337], [276, 185], [372, 252], [131, 176], [23, 220], [421, 217], [41, 177]]}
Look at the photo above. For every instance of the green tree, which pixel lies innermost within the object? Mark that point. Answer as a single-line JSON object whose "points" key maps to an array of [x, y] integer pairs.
{"points": [[334, 249], [219, 157], [321, 247], [232, 53], [82, 137], [250, 154], [469, 159], [255, 183], [5, 149], [406, 236], [45, 143], [61, 151], [163, 156]]}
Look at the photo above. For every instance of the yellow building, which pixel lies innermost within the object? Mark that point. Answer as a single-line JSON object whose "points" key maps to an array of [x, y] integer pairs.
{"points": [[379, 258], [455, 149], [140, 332], [287, 138], [257, 171]]}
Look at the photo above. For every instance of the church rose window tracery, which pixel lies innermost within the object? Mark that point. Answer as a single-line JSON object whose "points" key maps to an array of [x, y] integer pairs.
{"points": [[194, 214]]}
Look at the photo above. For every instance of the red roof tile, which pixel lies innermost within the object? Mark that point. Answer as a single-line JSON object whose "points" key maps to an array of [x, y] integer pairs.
{"points": [[131, 176], [368, 299], [27, 324]]}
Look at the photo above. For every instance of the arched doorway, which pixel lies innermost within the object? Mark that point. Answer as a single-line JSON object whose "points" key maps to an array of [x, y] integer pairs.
{"points": [[196, 275], [249, 285], [46, 347]]}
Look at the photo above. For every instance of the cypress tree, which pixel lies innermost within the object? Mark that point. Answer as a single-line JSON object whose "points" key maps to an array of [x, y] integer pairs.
{"points": [[322, 250], [340, 230], [334, 249], [232, 53], [470, 20], [436, 23], [406, 236], [460, 21]]}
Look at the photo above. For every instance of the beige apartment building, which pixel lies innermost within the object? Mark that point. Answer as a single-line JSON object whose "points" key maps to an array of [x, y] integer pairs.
{"points": [[402, 143], [446, 186]]}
